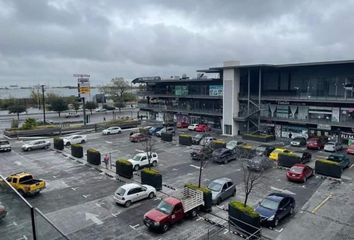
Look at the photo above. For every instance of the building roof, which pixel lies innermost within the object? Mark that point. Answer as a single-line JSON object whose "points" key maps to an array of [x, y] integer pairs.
{"points": [[172, 80]]}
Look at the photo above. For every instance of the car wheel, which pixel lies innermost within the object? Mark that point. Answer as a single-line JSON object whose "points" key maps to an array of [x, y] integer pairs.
{"points": [[218, 201], [82, 141], [234, 193], [276, 222], [151, 195], [292, 210], [29, 149], [127, 203], [305, 179], [67, 144], [193, 213], [154, 163], [136, 167], [225, 161], [165, 227]]}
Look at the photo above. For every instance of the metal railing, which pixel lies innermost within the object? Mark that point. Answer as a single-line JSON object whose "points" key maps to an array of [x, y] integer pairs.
{"points": [[159, 107], [302, 97]]}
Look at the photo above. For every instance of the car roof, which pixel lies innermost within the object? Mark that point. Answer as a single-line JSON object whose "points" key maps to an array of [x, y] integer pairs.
{"points": [[19, 174], [277, 197], [172, 200], [130, 186], [222, 180], [300, 165]]}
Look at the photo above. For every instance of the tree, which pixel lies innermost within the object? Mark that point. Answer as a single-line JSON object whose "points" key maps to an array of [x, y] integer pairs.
{"points": [[90, 106], [250, 179], [148, 145], [17, 108], [58, 105], [76, 105], [36, 97], [29, 123], [120, 104], [116, 89]]}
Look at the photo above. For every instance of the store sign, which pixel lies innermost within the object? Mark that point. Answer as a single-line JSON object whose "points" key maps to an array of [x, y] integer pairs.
{"points": [[83, 84], [215, 90], [324, 126], [348, 136]]}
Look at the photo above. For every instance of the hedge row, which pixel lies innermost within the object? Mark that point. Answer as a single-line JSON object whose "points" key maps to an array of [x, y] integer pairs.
{"points": [[259, 137]]}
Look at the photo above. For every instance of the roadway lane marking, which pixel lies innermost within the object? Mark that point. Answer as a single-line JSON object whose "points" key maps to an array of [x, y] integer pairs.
{"points": [[93, 218], [174, 169], [86, 196], [134, 227], [140, 151], [226, 231], [279, 231], [24, 237], [346, 178], [195, 166], [13, 223], [74, 188], [115, 214], [54, 176], [108, 142], [321, 204], [351, 166], [282, 190]]}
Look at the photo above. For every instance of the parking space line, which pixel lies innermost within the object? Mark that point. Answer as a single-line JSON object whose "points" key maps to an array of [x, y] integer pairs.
{"points": [[195, 166], [351, 166], [24, 237], [279, 231], [115, 214], [135, 226], [321, 204], [74, 188], [86, 196]]}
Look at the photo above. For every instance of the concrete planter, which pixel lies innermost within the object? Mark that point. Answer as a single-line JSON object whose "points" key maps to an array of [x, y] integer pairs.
{"points": [[32, 133], [93, 157], [185, 140], [58, 143], [288, 161], [167, 137], [327, 169], [124, 169], [154, 179], [77, 151]]}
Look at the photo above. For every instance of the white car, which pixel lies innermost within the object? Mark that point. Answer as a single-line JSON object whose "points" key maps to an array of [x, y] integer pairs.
{"points": [[112, 130], [141, 159], [165, 130], [133, 192], [74, 139], [332, 147], [72, 115], [207, 140], [100, 110], [192, 127]]}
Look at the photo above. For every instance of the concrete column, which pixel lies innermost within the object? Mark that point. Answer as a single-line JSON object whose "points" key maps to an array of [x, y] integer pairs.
{"points": [[231, 88]]}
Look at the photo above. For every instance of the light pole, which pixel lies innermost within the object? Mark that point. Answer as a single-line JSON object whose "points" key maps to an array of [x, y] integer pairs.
{"points": [[43, 102]]}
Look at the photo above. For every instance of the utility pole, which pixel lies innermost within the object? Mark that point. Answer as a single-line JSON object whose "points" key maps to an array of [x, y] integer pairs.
{"points": [[84, 109], [43, 102]]}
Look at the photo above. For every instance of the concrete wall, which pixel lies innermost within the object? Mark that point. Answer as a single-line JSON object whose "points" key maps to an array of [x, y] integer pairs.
{"points": [[231, 85]]}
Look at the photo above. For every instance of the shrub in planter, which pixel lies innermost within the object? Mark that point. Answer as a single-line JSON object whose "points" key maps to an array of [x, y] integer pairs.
{"points": [[151, 177], [124, 168], [328, 168], [246, 151], [93, 156], [185, 139], [144, 131], [166, 137], [58, 143], [288, 160], [77, 150], [207, 197], [258, 137], [244, 218], [218, 144]]}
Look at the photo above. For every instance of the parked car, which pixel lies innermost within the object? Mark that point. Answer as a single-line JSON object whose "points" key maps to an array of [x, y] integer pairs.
{"points": [[202, 128], [274, 208], [221, 189], [153, 130], [192, 127], [141, 159], [299, 173], [25, 184], [133, 192], [341, 159], [112, 130], [259, 163], [315, 143], [332, 147], [174, 209], [264, 150], [71, 115], [100, 109], [350, 149], [137, 137], [199, 137], [165, 130], [108, 107], [202, 153], [207, 140], [298, 142], [233, 144], [74, 139], [275, 153], [304, 156], [3, 211], [182, 125], [36, 144], [223, 155], [5, 146]]}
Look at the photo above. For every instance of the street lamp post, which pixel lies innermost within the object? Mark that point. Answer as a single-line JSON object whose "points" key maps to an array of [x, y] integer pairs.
{"points": [[43, 102]]}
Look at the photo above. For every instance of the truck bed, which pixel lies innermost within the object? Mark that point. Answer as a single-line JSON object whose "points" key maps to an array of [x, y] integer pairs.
{"points": [[191, 199], [31, 182]]}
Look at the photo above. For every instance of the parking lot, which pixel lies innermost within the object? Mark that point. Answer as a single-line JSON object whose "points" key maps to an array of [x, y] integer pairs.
{"points": [[78, 198]]}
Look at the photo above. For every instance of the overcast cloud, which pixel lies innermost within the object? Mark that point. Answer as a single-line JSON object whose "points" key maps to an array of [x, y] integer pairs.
{"points": [[47, 41]]}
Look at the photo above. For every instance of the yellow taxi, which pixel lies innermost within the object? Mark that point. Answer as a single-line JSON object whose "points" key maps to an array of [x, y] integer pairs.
{"points": [[275, 154]]}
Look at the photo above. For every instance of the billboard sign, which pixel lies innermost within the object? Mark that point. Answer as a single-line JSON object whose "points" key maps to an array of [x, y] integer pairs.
{"points": [[83, 83], [215, 90]]}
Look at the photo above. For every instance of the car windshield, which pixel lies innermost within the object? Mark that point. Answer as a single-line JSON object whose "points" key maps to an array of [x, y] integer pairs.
{"points": [[4, 142], [260, 149], [296, 169], [331, 143], [297, 139], [165, 207], [120, 191], [136, 158], [198, 136], [334, 158], [231, 145], [270, 204], [214, 186]]}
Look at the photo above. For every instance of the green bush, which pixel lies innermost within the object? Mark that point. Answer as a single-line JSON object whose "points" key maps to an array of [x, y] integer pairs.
{"points": [[93, 156], [123, 162], [185, 135], [58, 143], [328, 162], [77, 150], [258, 135], [245, 209], [195, 187], [151, 171], [14, 124], [29, 123]]}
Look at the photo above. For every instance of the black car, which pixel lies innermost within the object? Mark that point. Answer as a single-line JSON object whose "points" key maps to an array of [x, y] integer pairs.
{"points": [[202, 153], [264, 150], [275, 207], [305, 156], [259, 163], [223, 155], [198, 138], [298, 142]]}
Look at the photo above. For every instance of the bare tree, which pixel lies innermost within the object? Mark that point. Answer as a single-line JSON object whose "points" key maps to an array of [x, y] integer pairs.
{"points": [[148, 145], [250, 179]]}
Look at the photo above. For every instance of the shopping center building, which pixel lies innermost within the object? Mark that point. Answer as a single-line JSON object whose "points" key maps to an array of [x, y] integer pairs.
{"points": [[302, 99]]}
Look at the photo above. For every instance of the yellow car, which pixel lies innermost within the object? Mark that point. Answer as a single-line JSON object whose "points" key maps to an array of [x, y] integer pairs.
{"points": [[275, 154]]}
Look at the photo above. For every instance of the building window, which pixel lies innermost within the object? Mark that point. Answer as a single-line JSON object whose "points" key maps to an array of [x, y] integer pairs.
{"points": [[228, 129]]}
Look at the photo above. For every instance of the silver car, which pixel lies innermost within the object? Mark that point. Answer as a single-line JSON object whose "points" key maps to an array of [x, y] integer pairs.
{"points": [[221, 189], [3, 211], [37, 144], [133, 192], [332, 147]]}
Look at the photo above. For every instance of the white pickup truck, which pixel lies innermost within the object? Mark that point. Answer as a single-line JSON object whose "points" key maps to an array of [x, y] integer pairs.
{"points": [[141, 159]]}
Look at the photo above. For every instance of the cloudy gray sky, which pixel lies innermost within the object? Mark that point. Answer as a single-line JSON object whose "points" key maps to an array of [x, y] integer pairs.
{"points": [[47, 41]]}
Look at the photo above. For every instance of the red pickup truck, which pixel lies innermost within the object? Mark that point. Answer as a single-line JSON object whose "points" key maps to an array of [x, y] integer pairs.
{"points": [[173, 209]]}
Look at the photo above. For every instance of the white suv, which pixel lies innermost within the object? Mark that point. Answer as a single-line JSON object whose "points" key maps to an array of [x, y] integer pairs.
{"points": [[112, 130], [74, 139], [192, 127], [141, 159], [132, 192]]}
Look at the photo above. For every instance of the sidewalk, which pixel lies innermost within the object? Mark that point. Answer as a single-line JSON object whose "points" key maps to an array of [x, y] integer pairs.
{"points": [[328, 215]]}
